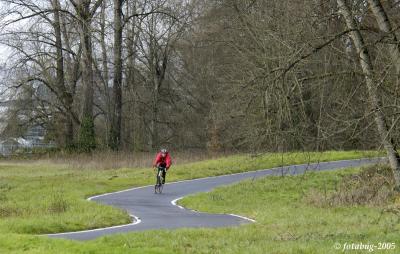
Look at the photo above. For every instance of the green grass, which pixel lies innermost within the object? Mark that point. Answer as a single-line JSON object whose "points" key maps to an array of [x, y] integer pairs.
{"points": [[44, 198], [287, 224]]}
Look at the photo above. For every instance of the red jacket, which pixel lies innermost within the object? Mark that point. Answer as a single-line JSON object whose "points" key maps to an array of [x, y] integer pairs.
{"points": [[162, 160]]}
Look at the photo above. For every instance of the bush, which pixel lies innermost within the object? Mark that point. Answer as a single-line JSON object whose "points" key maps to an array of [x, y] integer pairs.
{"points": [[373, 186], [87, 137]]}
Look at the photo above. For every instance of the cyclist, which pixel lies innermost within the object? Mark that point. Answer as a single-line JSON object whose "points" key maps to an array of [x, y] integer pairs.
{"points": [[163, 160]]}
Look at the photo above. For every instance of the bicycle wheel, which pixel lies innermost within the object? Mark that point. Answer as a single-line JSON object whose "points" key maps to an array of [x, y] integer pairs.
{"points": [[157, 186], [161, 186]]}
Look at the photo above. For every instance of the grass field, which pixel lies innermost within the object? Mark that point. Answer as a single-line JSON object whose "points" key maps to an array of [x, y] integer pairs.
{"points": [[287, 223], [45, 198]]}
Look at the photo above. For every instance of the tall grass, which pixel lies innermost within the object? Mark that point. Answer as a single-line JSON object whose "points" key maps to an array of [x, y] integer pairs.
{"points": [[115, 160], [106, 159]]}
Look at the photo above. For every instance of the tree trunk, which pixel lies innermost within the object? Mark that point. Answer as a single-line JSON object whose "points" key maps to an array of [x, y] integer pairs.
{"points": [[153, 62], [105, 70], [115, 132], [85, 14], [87, 73], [154, 115], [87, 135], [66, 98], [385, 25], [367, 68], [158, 76], [132, 122]]}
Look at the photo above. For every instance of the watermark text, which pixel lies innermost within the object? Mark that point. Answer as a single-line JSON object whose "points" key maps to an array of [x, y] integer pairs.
{"points": [[368, 247]]}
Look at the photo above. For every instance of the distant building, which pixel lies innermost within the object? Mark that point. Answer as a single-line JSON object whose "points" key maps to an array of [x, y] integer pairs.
{"points": [[8, 146], [34, 138], [35, 135]]}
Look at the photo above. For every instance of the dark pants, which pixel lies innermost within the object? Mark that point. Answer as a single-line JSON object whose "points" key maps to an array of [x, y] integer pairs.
{"points": [[164, 172]]}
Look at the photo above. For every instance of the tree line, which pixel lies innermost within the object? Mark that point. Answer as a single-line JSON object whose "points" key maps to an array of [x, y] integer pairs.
{"points": [[221, 75]]}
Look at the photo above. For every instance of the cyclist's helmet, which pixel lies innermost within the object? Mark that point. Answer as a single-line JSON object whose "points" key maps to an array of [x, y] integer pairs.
{"points": [[164, 151]]}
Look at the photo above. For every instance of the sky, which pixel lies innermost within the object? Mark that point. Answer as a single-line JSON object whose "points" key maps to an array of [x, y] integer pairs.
{"points": [[4, 53]]}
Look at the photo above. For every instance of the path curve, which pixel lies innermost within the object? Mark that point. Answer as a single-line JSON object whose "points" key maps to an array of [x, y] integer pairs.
{"points": [[151, 211]]}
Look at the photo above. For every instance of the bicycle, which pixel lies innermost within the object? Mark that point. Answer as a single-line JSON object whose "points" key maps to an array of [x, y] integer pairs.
{"points": [[159, 181]]}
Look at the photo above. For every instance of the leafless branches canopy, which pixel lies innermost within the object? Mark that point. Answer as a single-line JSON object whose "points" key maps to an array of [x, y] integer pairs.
{"points": [[217, 75]]}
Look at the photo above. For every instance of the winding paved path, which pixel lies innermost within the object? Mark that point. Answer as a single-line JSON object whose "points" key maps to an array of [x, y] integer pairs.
{"points": [[150, 211]]}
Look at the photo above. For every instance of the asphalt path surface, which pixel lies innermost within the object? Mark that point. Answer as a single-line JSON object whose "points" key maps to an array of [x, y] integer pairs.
{"points": [[159, 211]]}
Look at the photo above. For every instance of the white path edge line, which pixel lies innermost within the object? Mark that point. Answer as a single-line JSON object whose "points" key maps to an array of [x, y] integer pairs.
{"points": [[242, 217], [135, 222], [173, 202]]}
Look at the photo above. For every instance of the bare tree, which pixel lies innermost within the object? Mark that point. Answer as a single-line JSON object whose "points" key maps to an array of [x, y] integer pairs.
{"points": [[386, 27], [372, 87], [115, 131], [67, 97], [85, 11], [38, 55]]}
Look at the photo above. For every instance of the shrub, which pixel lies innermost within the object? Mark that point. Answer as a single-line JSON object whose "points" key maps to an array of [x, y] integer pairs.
{"points": [[87, 138], [373, 186]]}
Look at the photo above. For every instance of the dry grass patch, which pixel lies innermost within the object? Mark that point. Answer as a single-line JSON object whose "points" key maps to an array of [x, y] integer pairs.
{"points": [[372, 186], [104, 160]]}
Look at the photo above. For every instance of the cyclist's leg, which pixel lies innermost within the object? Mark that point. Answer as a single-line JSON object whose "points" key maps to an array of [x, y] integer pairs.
{"points": [[164, 175], [158, 174]]}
